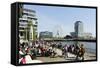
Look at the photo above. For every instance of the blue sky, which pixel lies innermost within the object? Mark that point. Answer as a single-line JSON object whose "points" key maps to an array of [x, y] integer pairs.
{"points": [[63, 18]]}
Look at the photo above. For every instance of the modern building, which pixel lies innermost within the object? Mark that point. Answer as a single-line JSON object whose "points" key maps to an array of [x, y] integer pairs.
{"points": [[78, 29], [28, 25], [45, 34], [20, 10]]}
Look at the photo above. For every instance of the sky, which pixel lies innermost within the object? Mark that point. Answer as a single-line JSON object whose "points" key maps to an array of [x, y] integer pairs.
{"points": [[62, 19]]}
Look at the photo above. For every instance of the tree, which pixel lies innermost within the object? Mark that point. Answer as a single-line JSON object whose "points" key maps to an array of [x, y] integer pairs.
{"points": [[31, 35]]}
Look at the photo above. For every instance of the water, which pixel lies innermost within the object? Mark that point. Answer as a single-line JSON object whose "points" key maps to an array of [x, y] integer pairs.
{"points": [[89, 46]]}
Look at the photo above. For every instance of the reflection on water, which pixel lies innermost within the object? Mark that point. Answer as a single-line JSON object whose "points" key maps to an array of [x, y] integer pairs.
{"points": [[89, 46]]}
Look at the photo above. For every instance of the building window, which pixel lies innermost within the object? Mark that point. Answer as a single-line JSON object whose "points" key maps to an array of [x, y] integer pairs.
{"points": [[21, 33]]}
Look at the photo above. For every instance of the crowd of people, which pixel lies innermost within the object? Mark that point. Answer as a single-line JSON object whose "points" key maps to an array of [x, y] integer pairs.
{"points": [[77, 50], [48, 49], [36, 48]]}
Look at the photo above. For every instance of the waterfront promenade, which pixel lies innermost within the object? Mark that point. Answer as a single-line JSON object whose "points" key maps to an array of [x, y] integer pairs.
{"points": [[71, 57], [59, 58], [42, 52]]}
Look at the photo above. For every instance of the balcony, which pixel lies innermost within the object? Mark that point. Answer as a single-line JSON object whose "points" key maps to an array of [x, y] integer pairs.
{"points": [[22, 26], [31, 17], [28, 12], [24, 23], [23, 19]]}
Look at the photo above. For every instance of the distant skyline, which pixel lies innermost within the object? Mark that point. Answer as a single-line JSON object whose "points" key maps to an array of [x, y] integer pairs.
{"points": [[51, 18]]}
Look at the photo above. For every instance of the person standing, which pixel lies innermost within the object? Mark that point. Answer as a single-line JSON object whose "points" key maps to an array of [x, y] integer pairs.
{"points": [[66, 51], [82, 51]]}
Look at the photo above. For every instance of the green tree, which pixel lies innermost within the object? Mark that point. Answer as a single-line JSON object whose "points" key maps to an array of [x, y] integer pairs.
{"points": [[29, 25]]}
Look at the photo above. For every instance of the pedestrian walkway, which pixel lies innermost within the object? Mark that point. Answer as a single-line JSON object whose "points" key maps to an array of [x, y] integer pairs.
{"points": [[71, 57], [58, 57]]}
